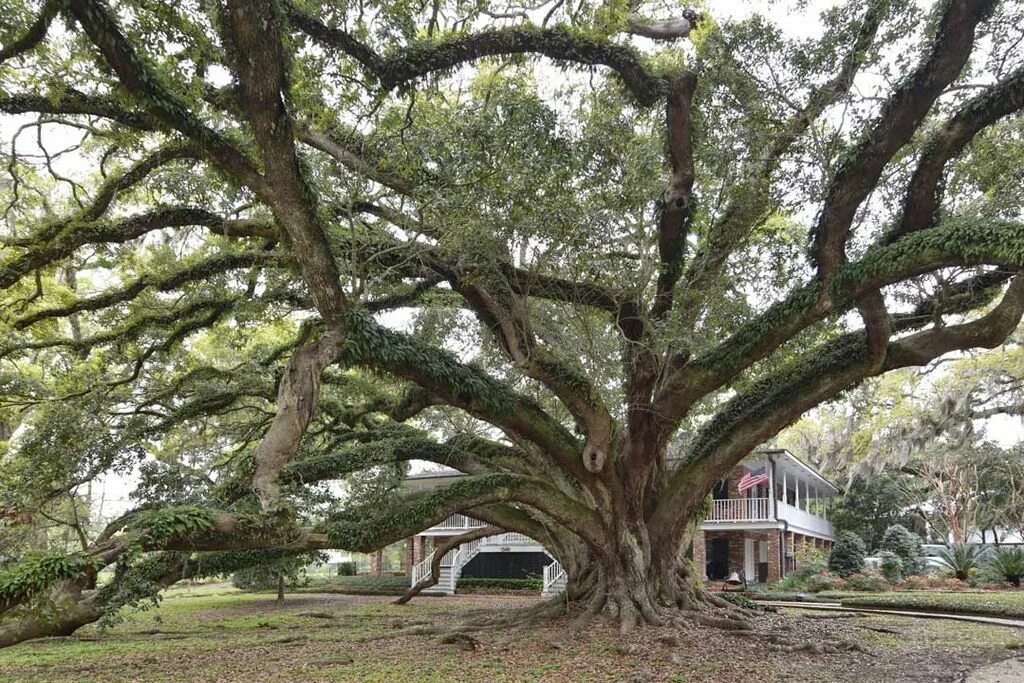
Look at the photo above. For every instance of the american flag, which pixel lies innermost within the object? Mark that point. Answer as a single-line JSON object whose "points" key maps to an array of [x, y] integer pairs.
{"points": [[753, 477]]}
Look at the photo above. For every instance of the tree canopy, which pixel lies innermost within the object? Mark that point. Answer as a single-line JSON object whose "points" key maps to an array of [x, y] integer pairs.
{"points": [[590, 255]]}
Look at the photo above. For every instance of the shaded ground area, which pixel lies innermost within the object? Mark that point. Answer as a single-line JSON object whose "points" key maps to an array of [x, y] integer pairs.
{"points": [[216, 634]]}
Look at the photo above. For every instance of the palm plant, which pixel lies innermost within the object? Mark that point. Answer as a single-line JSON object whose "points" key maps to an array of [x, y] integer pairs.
{"points": [[961, 558], [1009, 563]]}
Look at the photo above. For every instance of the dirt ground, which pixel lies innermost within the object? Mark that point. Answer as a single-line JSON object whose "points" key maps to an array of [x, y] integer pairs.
{"points": [[216, 634]]}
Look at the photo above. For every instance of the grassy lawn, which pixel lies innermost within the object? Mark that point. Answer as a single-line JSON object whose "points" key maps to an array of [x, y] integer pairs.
{"points": [[996, 604], [214, 633]]}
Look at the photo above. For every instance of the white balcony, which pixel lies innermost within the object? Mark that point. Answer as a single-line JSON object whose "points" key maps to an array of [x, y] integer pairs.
{"points": [[741, 510], [805, 521]]}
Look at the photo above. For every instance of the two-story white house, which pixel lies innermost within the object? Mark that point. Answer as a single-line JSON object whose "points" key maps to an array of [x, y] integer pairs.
{"points": [[760, 514]]}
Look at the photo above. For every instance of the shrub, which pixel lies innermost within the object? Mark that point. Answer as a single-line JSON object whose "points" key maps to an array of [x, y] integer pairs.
{"points": [[906, 545], [868, 580], [824, 582], [347, 569], [847, 556], [810, 561], [1009, 564], [531, 584], [892, 566], [916, 582], [961, 558]]}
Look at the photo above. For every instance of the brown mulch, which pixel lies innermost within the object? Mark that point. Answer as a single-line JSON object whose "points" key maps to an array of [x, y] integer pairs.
{"points": [[361, 644]]}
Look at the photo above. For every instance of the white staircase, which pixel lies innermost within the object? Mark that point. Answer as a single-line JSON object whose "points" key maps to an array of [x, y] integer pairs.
{"points": [[451, 568], [554, 580]]}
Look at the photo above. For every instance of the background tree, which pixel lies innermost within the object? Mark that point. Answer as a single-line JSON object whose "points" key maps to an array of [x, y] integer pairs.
{"points": [[871, 504], [906, 545], [705, 229], [847, 554]]}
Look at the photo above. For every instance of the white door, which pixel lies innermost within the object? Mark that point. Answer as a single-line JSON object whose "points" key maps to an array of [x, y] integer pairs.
{"points": [[748, 559]]}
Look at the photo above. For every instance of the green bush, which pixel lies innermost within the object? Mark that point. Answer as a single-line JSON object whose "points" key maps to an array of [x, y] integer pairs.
{"points": [[961, 559], [847, 556], [810, 561], [1009, 565], [347, 569], [892, 566], [868, 580], [907, 546]]}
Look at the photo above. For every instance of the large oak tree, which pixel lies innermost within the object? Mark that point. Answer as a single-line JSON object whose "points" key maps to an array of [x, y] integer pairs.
{"points": [[660, 241]]}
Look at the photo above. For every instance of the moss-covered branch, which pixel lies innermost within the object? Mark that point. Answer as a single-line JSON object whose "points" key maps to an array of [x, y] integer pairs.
{"points": [[901, 115], [160, 283], [76, 234], [963, 241]]}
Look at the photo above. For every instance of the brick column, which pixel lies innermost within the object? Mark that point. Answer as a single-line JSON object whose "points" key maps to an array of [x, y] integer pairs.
{"points": [[377, 562], [418, 553], [774, 556], [700, 559]]}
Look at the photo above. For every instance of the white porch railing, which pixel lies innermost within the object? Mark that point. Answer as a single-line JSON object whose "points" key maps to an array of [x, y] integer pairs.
{"points": [[457, 522], [741, 510], [804, 519], [511, 538], [421, 571], [554, 579]]}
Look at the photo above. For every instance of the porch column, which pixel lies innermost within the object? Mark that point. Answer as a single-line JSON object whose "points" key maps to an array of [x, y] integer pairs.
{"points": [[796, 485], [785, 491], [407, 555]]}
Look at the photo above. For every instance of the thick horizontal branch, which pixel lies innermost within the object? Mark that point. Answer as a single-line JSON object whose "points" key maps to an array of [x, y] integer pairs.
{"points": [[75, 234], [364, 529], [460, 385], [178, 321], [673, 29], [73, 103], [422, 59], [160, 283]]}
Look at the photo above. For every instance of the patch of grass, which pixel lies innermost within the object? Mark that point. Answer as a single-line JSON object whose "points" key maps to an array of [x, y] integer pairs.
{"points": [[987, 603]]}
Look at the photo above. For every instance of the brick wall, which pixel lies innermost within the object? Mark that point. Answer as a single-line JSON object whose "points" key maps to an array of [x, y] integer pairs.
{"points": [[700, 556], [737, 544]]}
